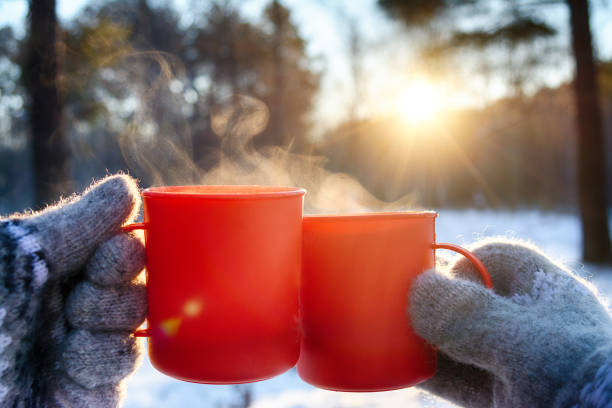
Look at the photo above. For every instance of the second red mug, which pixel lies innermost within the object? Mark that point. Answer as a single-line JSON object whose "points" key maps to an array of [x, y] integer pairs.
{"points": [[357, 271]]}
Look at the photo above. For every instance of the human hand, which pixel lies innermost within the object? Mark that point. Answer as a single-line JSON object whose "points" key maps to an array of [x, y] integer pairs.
{"points": [[69, 300], [541, 338]]}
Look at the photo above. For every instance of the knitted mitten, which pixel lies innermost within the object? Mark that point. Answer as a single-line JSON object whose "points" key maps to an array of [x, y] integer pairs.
{"points": [[542, 338], [69, 300]]}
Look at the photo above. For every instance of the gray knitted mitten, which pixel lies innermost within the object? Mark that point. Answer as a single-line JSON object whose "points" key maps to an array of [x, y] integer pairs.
{"points": [[542, 339], [69, 299]]}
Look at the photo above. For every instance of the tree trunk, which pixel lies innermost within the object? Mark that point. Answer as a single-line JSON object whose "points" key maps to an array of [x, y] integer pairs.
{"points": [[48, 140], [278, 134], [591, 149], [356, 64]]}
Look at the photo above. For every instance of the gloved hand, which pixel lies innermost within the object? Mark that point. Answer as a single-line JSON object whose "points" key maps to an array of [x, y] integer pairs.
{"points": [[69, 300], [542, 338]]}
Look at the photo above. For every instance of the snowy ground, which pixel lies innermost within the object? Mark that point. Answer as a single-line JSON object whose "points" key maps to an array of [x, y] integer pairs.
{"points": [[558, 235]]}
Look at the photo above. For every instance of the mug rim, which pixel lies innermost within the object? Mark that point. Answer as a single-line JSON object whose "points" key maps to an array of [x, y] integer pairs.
{"points": [[370, 215], [223, 191]]}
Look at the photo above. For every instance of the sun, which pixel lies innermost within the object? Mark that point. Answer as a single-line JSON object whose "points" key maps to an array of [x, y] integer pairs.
{"points": [[419, 102]]}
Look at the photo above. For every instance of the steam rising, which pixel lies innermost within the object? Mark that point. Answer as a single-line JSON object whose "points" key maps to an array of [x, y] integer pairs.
{"points": [[168, 160]]}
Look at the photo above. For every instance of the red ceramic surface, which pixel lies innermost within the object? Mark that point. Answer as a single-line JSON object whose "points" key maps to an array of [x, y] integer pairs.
{"points": [[223, 267], [356, 275]]}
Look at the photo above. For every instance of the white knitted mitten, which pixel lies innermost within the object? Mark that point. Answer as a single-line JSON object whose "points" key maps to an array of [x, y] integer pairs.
{"points": [[542, 338]]}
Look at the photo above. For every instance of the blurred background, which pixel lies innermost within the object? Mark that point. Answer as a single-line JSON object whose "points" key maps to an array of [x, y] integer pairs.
{"points": [[498, 113]]}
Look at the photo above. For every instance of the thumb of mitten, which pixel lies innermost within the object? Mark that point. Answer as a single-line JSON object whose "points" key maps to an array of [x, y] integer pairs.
{"points": [[463, 319], [70, 231]]}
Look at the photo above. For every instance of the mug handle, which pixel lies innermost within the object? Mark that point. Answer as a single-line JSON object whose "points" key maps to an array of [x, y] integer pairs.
{"points": [[134, 226], [484, 274], [129, 228]]}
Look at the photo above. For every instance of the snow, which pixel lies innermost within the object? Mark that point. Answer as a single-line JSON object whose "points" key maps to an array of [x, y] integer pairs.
{"points": [[556, 234]]}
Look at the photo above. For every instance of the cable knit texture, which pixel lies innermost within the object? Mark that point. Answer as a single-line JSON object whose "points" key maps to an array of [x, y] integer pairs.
{"points": [[597, 393], [540, 339], [69, 299]]}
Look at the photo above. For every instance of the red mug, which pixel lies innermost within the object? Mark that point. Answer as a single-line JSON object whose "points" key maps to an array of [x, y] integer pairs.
{"points": [[356, 275], [223, 267]]}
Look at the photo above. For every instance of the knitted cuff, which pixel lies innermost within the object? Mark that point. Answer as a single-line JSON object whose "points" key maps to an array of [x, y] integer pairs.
{"points": [[591, 385], [23, 272], [20, 240], [597, 393]]}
